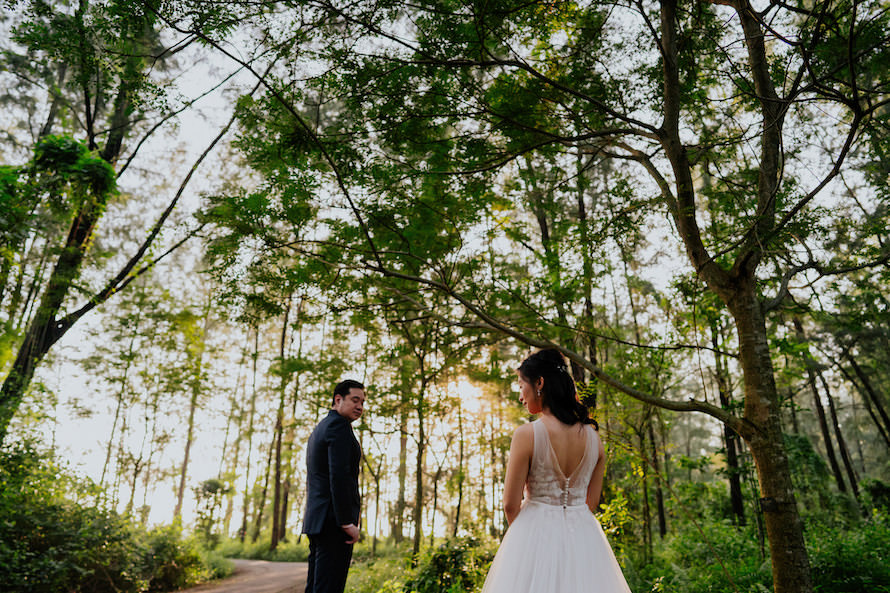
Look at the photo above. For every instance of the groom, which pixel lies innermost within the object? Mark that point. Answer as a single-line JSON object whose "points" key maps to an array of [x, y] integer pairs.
{"points": [[332, 499]]}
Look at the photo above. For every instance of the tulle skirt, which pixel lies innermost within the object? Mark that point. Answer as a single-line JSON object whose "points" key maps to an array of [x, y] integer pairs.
{"points": [[555, 549]]}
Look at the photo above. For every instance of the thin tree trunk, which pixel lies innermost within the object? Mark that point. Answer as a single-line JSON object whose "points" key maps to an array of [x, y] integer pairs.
{"points": [[795, 426], [279, 432], [197, 358], [376, 536], [418, 471], [242, 533], [435, 506], [855, 418], [238, 416], [587, 267], [647, 513], [460, 470], [5, 271], [120, 396], [730, 438], [841, 443], [398, 533], [190, 435], [153, 439], [56, 100], [659, 492], [820, 410], [261, 503]]}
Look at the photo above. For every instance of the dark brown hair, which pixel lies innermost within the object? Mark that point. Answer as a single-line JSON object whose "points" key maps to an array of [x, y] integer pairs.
{"points": [[558, 393]]}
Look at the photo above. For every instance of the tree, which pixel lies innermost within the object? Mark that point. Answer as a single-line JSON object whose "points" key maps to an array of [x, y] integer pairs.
{"points": [[680, 92], [99, 63]]}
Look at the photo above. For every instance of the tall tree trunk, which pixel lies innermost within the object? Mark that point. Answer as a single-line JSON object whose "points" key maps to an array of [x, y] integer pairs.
{"points": [[587, 267], [737, 286], [784, 527], [236, 415], [398, 522], [44, 330], [659, 490], [5, 271], [792, 405], [460, 469], [730, 438], [644, 478], [418, 472], [245, 510], [436, 478], [261, 503], [183, 472], [279, 432], [197, 360], [153, 439], [120, 396]]}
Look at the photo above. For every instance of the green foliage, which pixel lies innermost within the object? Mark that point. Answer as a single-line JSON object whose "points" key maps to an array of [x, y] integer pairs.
{"points": [[385, 572], [711, 556], [854, 560], [210, 494], [62, 163], [616, 519], [172, 563], [50, 540], [287, 551], [456, 566], [878, 492], [706, 557]]}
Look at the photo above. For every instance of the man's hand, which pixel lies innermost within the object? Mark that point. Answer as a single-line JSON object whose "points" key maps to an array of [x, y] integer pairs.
{"points": [[351, 531]]}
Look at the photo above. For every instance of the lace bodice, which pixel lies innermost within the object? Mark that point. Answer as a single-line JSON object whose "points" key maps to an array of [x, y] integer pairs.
{"points": [[546, 481]]}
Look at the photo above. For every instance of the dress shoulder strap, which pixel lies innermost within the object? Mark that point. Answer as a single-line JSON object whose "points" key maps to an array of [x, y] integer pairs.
{"points": [[540, 451], [593, 441]]}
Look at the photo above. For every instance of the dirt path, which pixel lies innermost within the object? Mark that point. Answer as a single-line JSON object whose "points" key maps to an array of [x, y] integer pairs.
{"points": [[259, 576]]}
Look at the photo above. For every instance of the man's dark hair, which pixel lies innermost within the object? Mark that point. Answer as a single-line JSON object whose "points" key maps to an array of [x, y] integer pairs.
{"points": [[343, 387]]}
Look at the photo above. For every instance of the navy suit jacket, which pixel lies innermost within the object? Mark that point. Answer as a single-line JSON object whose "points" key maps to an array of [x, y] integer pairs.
{"points": [[333, 456]]}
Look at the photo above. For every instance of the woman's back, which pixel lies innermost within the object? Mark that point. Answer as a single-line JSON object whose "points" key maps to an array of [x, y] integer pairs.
{"points": [[556, 481], [568, 441]]}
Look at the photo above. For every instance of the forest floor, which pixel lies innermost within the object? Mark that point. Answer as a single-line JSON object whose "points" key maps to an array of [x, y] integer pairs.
{"points": [[259, 576]]}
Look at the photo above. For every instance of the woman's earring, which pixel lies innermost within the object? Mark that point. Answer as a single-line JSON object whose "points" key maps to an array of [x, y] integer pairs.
{"points": [[539, 394]]}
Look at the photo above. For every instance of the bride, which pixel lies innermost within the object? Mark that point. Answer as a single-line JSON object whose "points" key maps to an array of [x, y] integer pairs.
{"points": [[554, 544]]}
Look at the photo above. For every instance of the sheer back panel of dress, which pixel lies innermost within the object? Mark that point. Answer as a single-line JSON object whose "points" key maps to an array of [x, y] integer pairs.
{"points": [[546, 482]]}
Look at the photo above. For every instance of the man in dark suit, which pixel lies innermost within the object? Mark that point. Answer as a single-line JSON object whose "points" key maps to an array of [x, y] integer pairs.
{"points": [[332, 498]]}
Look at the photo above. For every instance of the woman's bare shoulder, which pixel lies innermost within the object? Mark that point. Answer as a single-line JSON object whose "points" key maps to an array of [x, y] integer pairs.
{"points": [[524, 435]]}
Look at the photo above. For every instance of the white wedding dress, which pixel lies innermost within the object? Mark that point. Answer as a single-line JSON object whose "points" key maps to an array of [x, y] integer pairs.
{"points": [[555, 544]]}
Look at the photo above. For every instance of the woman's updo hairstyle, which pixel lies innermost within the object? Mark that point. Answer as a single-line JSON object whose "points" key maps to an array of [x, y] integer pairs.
{"points": [[558, 393]]}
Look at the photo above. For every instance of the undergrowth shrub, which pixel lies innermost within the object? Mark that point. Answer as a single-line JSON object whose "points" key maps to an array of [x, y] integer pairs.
{"points": [[287, 551], [459, 565], [385, 574], [52, 539], [852, 560]]}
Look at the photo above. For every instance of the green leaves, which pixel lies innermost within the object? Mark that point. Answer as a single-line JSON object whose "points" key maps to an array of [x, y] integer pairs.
{"points": [[66, 162]]}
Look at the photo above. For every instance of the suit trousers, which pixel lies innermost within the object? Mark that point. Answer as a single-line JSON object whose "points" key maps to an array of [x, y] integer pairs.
{"points": [[329, 558]]}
